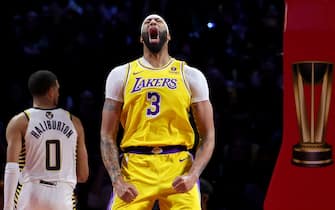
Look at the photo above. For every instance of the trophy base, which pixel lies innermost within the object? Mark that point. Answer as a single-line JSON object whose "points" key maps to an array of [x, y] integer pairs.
{"points": [[312, 155]]}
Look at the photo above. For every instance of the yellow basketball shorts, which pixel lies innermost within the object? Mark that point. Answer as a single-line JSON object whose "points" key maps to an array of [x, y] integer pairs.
{"points": [[153, 175]]}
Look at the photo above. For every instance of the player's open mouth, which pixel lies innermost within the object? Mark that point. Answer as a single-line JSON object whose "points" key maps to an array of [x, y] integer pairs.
{"points": [[153, 35]]}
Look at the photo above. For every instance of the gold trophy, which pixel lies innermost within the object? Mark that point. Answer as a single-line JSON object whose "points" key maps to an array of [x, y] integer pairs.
{"points": [[312, 86]]}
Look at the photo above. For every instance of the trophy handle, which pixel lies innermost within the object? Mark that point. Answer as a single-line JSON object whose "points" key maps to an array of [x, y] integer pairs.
{"points": [[300, 106], [324, 105]]}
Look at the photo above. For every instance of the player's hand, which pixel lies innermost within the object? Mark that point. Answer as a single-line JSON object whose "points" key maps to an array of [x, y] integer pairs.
{"points": [[184, 183], [126, 191]]}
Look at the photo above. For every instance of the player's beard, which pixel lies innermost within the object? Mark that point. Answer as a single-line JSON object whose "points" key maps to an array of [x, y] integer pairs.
{"points": [[154, 47]]}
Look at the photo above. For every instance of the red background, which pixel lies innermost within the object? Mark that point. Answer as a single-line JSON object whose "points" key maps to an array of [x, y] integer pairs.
{"points": [[309, 35]]}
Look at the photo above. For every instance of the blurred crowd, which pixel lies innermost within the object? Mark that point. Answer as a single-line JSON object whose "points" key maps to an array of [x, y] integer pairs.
{"points": [[237, 44]]}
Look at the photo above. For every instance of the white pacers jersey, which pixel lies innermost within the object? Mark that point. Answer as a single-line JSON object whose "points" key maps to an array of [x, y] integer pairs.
{"points": [[49, 149]]}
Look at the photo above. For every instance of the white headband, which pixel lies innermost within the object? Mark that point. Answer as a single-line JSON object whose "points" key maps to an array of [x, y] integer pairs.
{"points": [[154, 16]]}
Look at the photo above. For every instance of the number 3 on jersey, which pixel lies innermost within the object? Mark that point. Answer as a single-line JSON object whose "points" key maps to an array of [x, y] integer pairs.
{"points": [[154, 98]]}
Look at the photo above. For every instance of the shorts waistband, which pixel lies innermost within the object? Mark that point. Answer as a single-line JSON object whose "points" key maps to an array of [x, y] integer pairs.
{"points": [[154, 150]]}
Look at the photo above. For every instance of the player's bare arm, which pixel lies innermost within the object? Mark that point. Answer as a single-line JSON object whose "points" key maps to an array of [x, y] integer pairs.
{"points": [[82, 159], [203, 116], [15, 132], [109, 128], [109, 149]]}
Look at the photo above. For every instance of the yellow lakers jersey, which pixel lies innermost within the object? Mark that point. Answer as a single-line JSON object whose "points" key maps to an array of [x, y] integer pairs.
{"points": [[156, 106]]}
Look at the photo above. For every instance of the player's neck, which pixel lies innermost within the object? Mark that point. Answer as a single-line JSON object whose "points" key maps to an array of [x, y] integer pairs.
{"points": [[43, 103], [157, 60]]}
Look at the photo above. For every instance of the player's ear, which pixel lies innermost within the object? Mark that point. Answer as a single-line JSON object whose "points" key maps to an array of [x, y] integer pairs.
{"points": [[141, 39], [50, 92]]}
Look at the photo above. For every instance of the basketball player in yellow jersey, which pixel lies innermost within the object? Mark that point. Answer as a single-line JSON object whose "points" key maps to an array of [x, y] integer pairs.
{"points": [[46, 154], [152, 98]]}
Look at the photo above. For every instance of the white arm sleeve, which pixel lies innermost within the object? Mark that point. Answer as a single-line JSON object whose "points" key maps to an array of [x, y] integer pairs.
{"points": [[197, 83], [115, 83], [11, 180]]}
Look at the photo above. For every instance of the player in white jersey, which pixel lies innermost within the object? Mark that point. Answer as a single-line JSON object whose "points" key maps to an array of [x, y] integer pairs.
{"points": [[46, 153]]}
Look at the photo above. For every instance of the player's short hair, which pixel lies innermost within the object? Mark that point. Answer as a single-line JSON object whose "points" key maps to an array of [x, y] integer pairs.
{"points": [[40, 82]]}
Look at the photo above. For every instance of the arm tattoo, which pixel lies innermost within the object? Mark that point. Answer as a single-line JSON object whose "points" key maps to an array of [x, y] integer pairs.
{"points": [[205, 130], [109, 106], [110, 157], [198, 152]]}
